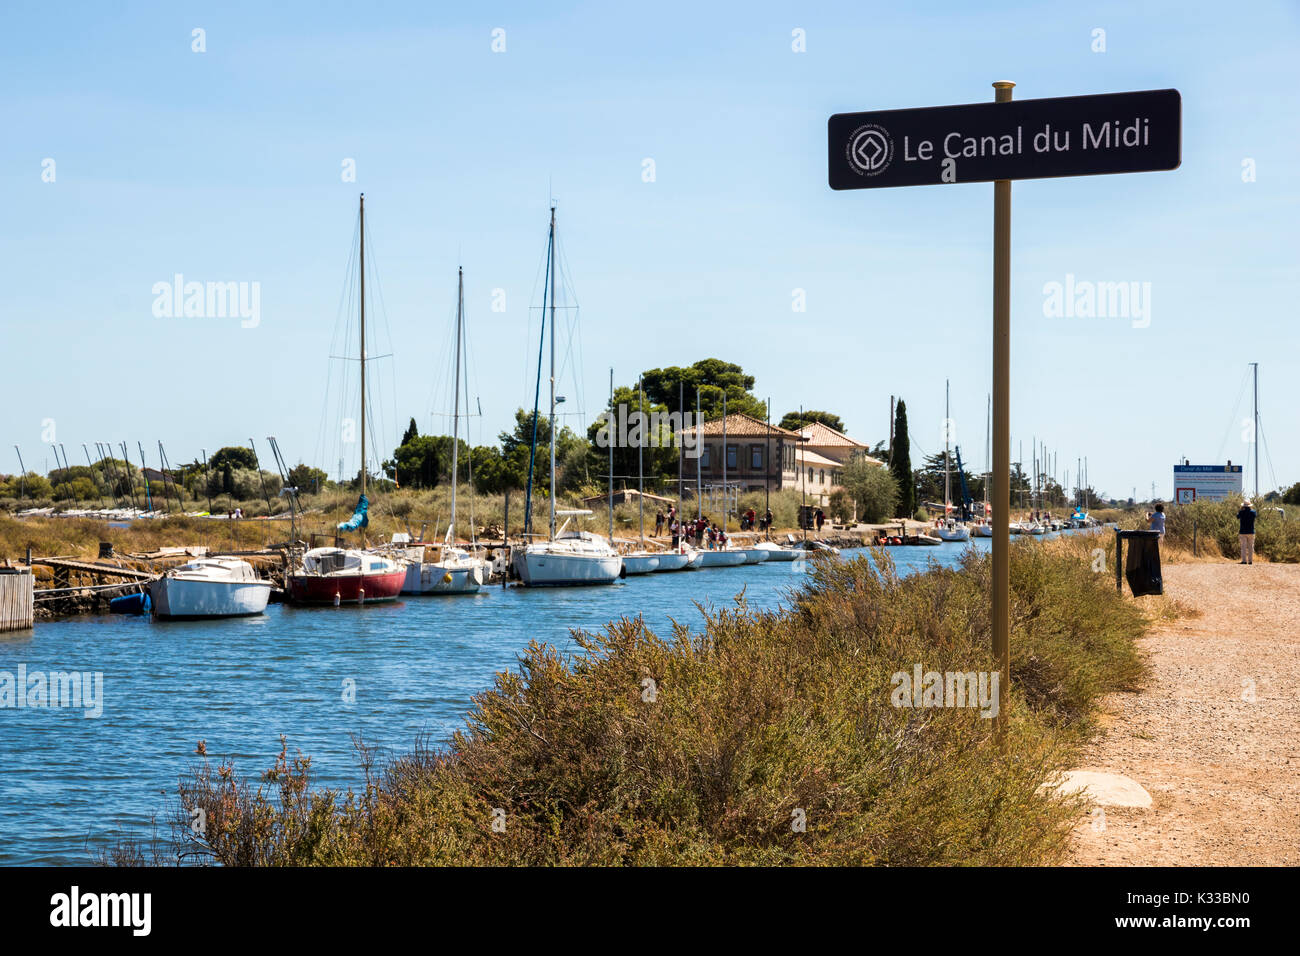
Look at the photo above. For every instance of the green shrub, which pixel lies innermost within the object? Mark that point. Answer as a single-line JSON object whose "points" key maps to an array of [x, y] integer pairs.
{"points": [[756, 722]]}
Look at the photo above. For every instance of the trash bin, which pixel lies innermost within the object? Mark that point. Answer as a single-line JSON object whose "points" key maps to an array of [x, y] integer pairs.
{"points": [[1142, 563]]}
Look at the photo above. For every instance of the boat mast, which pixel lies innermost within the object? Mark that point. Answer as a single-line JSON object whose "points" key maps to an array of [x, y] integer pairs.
{"points": [[681, 446], [553, 257], [803, 485], [362, 264], [767, 464], [724, 461], [640, 460], [947, 472], [988, 454], [537, 389], [609, 427], [1256, 434], [699, 457], [455, 415]]}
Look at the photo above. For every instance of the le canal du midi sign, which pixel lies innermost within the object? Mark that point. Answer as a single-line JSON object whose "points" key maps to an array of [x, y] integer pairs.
{"points": [[1019, 139]]}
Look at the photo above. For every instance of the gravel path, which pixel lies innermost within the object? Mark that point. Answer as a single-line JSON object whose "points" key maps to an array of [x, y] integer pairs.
{"points": [[1215, 735]]}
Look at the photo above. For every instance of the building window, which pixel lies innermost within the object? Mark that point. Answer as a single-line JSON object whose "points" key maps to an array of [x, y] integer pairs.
{"points": [[704, 458], [731, 456], [821, 477], [756, 456], [810, 476]]}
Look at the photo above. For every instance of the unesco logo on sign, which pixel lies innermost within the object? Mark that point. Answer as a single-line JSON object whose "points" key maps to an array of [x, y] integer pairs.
{"points": [[870, 149]]}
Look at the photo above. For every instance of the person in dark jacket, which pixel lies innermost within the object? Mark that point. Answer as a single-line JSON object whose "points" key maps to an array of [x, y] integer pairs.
{"points": [[1246, 532]]}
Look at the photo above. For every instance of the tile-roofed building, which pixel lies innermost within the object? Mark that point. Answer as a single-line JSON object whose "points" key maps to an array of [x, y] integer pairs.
{"points": [[757, 455]]}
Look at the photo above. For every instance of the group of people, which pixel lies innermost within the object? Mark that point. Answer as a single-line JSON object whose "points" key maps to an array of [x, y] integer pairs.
{"points": [[701, 532]]}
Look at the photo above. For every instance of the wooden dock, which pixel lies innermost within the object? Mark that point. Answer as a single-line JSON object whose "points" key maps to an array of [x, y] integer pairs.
{"points": [[16, 586]]}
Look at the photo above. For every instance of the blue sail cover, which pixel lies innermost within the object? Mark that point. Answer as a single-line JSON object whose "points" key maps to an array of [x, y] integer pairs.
{"points": [[359, 518]]}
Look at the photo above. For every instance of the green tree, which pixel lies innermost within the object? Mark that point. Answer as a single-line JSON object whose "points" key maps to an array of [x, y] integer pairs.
{"points": [[660, 449], [873, 487], [714, 378], [235, 455], [411, 432], [306, 479], [901, 464], [793, 421], [1292, 495]]}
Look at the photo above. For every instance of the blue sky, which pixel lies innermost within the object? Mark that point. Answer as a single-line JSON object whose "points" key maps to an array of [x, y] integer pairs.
{"points": [[226, 166]]}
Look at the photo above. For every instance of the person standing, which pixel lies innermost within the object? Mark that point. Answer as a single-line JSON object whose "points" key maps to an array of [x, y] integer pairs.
{"points": [[1158, 520], [676, 529], [659, 522], [1246, 532], [820, 518]]}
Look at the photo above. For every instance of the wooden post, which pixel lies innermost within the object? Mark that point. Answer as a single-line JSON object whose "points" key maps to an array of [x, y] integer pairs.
{"points": [[1001, 603], [1119, 562]]}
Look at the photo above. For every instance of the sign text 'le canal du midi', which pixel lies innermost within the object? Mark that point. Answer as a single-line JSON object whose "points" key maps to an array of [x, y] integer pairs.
{"points": [[1019, 139]]}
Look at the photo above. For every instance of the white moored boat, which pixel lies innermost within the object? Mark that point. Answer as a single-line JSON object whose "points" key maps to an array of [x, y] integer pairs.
{"points": [[777, 553], [641, 562], [455, 571], [952, 531], [210, 587], [571, 558], [673, 560], [721, 559], [754, 555]]}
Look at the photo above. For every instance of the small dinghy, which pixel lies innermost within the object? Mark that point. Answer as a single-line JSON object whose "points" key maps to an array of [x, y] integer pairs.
{"points": [[137, 603]]}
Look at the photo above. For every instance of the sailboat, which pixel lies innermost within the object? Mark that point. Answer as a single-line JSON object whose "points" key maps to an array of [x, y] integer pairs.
{"points": [[567, 557], [640, 561], [984, 528], [948, 529], [335, 575], [456, 571]]}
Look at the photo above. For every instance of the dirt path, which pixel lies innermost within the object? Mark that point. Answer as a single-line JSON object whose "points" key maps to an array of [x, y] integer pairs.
{"points": [[1223, 771]]}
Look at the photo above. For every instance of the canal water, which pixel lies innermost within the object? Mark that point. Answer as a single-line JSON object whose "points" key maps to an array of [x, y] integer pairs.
{"points": [[70, 784]]}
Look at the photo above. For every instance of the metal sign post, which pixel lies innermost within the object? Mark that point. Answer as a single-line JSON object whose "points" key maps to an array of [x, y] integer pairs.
{"points": [[998, 142]]}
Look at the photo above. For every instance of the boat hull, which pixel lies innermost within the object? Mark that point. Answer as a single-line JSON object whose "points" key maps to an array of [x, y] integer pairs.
{"points": [[178, 598], [641, 563], [944, 534], [721, 559], [673, 561], [435, 578], [550, 569], [753, 555], [346, 588], [782, 554]]}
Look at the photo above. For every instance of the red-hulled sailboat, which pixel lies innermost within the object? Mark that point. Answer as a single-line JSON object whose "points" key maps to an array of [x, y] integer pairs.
{"points": [[334, 575]]}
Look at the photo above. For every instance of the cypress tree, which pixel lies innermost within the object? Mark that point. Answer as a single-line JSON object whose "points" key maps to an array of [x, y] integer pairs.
{"points": [[901, 464]]}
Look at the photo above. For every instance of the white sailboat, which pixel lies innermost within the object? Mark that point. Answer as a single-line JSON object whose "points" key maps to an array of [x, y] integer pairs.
{"points": [[456, 570], [984, 528], [566, 557], [209, 587], [948, 529]]}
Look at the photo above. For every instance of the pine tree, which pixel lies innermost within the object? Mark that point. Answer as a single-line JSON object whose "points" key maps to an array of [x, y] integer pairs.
{"points": [[411, 432], [901, 464]]}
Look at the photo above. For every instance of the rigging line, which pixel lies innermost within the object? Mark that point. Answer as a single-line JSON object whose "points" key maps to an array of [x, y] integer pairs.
{"points": [[1245, 377], [1267, 456], [342, 310]]}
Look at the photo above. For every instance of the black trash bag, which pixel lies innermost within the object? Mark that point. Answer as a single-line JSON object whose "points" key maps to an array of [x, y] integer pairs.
{"points": [[1142, 563]]}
